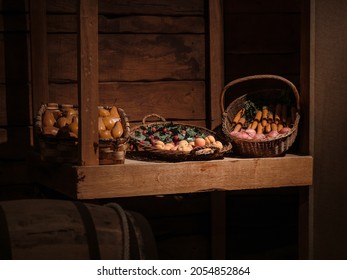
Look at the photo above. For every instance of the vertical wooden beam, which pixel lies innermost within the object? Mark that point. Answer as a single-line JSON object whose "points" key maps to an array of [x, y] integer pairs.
{"points": [[216, 63], [39, 59], [216, 79], [88, 79], [305, 215]]}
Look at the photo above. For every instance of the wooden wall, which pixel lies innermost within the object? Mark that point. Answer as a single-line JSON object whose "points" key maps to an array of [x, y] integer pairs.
{"points": [[329, 87], [153, 59], [151, 56]]}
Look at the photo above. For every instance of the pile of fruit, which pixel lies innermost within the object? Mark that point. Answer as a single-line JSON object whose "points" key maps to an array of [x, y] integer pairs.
{"points": [[263, 122], [62, 122], [174, 137]]}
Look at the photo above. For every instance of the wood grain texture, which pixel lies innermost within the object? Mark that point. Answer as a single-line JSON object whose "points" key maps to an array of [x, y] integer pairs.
{"points": [[216, 61], [88, 82], [121, 7], [137, 178], [186, 97], [133, 57], [152, 57], [39, 59]]}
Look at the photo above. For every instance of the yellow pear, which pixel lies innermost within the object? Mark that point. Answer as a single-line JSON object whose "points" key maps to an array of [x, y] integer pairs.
{"points": [[105, 134], [101, 124], [74, 125], [117, 130], [103, 112], [114, 112], [48, 119]]}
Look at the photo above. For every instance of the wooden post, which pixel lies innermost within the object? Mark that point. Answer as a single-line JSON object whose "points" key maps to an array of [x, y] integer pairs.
{"points": [[216, 63], [88, 82], [39, 59], [216, 67]]}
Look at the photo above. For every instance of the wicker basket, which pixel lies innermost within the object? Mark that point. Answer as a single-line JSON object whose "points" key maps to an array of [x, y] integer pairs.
{"points": [[264, 87], [63, 148], [148, 152]]}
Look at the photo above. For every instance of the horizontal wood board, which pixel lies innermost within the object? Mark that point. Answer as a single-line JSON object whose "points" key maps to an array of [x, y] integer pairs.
{"points": [[138, 178]]}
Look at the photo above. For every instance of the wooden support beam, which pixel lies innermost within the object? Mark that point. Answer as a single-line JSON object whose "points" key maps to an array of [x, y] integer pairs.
{"points": [[39, 59], [88, 80], [216, 47]]}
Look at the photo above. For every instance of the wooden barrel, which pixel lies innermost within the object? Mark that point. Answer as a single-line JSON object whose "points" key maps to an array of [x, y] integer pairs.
{"points": [[41, 229]]}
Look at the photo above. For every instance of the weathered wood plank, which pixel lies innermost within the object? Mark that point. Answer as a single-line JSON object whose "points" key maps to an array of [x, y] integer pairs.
{"points": [[216, 63], [121, 7], [175, 99], [259, 33], [157, 7], [62, 57], [88, 82], [39, 60], [132, 57], [151, 24], [152, 57], [139, 178], [180, 100], [67, 23]]}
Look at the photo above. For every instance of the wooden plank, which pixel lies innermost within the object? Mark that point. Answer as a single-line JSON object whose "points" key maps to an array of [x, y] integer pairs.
{"points": [[328, 78], [148, 57], [39, 62], [62, 57], [14, 22], [156, 7], [151, 24], [139, 178], [130, 57], [305, 142], [216, 63], [259, 33], [121, 7], [88, 79], [174, 99], [67, 23], [180, 100]]}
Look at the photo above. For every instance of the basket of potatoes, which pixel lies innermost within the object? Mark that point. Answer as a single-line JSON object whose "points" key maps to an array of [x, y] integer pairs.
{"points": [[263, 115], [57, 130], [174, 142]]}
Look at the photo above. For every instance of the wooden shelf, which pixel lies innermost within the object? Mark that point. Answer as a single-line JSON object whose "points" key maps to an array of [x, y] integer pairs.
{"points": [[140, 178]]}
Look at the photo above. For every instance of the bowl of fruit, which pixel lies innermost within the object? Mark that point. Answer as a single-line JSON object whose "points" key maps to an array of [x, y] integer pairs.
{"points": [[174, 141]]}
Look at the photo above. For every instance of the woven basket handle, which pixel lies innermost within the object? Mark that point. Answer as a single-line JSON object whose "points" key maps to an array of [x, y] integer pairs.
{"points": [[260, 77], [152, 115]]}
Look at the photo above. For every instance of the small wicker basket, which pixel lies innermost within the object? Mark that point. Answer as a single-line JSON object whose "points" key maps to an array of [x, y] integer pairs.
{"points": [[63, 148], [148, 152], [266, 87]]}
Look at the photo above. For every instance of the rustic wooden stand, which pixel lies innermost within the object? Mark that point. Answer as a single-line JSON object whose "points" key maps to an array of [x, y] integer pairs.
{"points": [[88, 180]]}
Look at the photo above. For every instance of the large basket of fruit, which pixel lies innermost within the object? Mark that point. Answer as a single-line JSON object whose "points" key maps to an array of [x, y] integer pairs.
{"points": [[263, 116], [57, 130], [174, 142]]}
